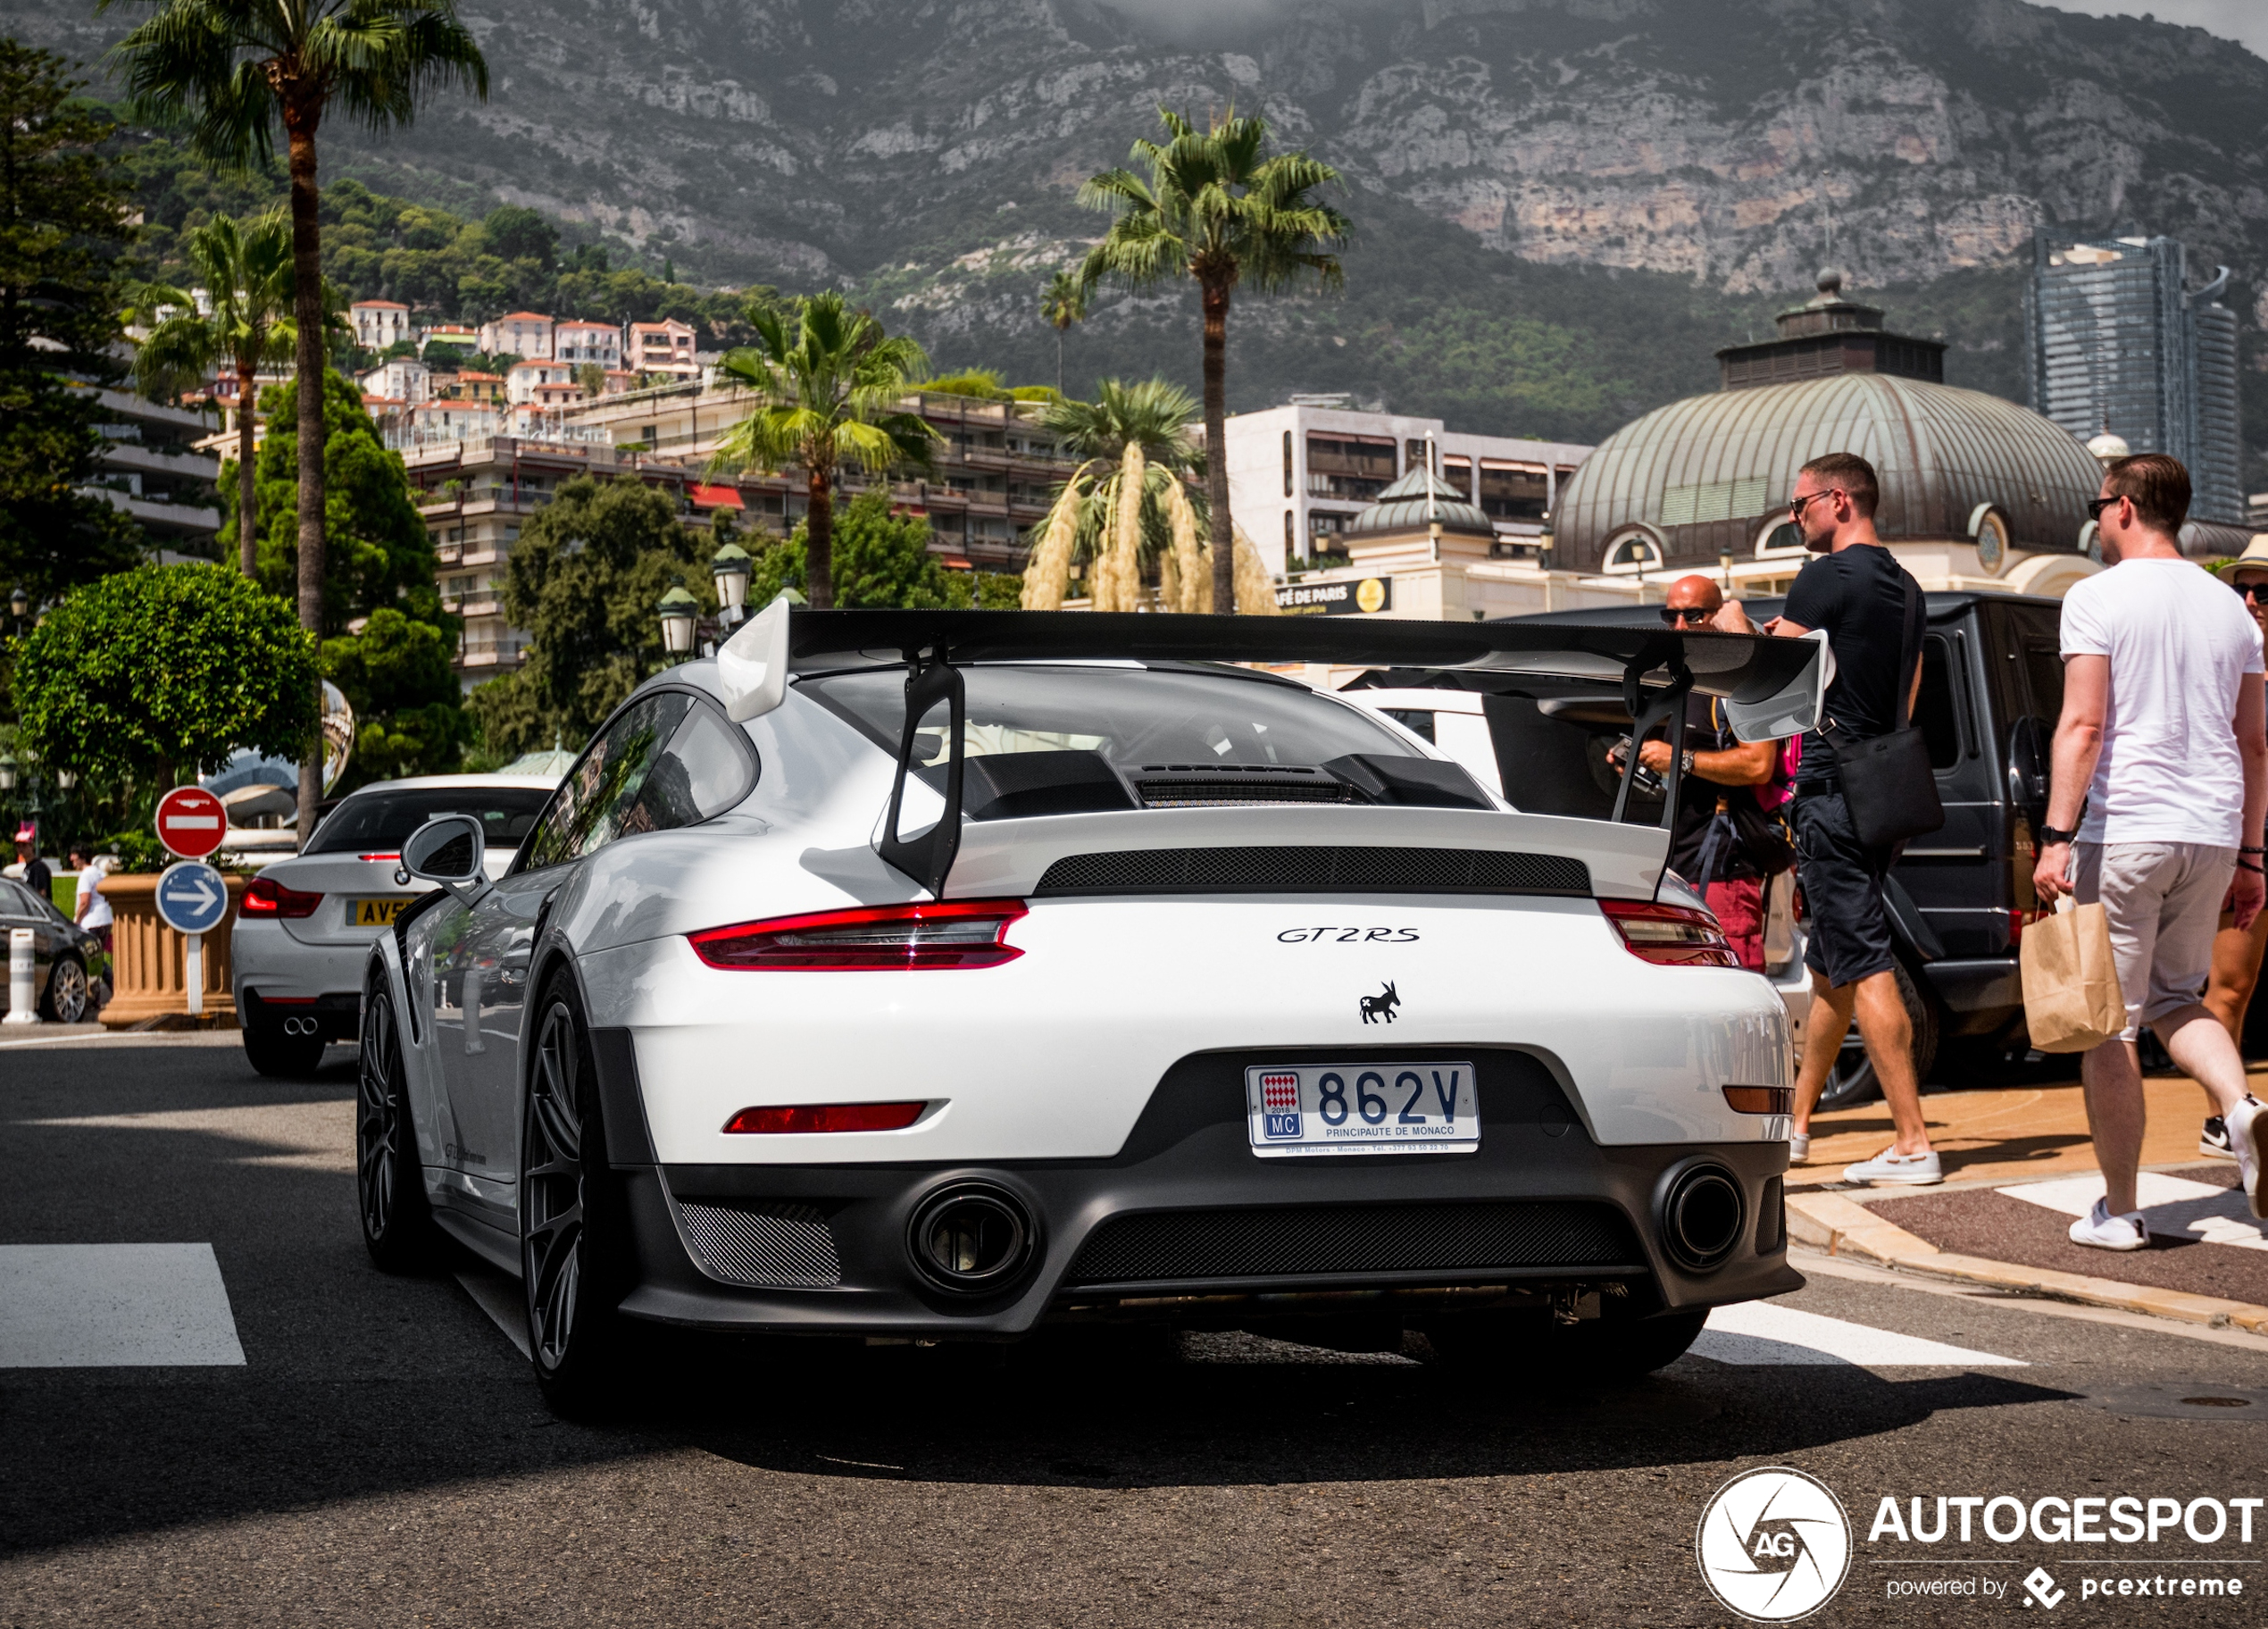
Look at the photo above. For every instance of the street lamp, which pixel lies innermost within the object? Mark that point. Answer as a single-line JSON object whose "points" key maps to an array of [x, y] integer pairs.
{"points": [[678, 611], [730, 568], [66, 779], [7, 771], [19, 602]]}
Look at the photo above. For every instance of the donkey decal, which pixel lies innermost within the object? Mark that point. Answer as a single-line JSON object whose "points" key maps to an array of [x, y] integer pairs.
{"points": [[1379, 1008]]}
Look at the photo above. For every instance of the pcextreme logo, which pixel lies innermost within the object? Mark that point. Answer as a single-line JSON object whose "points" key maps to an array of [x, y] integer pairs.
{"points": [[1773, 1544]]}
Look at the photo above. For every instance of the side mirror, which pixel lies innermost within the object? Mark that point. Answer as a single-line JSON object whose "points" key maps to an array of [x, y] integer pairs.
{"points": [[447, 849]]}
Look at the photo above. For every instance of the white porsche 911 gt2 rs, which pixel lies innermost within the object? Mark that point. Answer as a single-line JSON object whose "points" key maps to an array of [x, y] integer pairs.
{"points": [[942, 975]]}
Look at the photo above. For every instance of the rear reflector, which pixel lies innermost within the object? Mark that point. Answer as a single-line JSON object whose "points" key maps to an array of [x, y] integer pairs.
{"points": [[266, 897], [1673, 935], [943, 933], [1761, 1100], [828, 1117]]}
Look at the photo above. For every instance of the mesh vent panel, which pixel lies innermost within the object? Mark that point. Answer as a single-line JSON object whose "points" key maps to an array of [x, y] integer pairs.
{"points": [[780, 1247], [1191, 1245], [1464, 871]]}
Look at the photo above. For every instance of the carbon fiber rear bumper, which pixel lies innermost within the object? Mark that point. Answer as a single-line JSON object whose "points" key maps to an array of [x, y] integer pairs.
{"points": [[1186, 1226]]}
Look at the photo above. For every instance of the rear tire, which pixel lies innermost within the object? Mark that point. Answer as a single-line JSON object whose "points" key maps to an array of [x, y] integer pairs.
{"points": [[574, 1258], [1852, 1081], [281, 1057], [390, 1180]]}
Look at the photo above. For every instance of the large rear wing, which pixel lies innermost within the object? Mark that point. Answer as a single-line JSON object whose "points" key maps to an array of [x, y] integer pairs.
{"points": [[1771, 688]]}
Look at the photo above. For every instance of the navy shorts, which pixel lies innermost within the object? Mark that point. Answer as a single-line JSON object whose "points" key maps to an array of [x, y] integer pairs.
{"points": [[1842, 884]]}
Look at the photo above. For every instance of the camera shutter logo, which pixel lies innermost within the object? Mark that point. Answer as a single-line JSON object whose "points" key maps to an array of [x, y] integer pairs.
{"points": [[1773, 1544]]}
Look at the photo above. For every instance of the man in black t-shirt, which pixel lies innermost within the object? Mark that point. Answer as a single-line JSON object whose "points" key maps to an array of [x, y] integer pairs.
{"points": [[1857, 591]]}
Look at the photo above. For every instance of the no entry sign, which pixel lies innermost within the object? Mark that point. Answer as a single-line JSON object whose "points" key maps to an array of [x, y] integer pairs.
{"points": [[191, 822]]}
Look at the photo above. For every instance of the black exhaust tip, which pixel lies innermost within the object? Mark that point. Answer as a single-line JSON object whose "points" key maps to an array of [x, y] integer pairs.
{"points": [[971, 1238], [1703, 1215]]}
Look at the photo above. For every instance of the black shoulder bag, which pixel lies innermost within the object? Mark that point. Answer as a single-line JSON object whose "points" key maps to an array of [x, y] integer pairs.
{"points": [[1888, 784]]}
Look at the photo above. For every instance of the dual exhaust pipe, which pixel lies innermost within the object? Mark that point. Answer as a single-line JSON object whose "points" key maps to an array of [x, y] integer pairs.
{"points": [[303, 1026]]}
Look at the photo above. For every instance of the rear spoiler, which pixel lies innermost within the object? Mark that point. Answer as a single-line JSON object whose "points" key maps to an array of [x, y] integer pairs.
{"points": [[1771, 687]]}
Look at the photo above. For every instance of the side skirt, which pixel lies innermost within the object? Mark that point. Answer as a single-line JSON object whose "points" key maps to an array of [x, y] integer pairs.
{"points": [[492, 1245]]}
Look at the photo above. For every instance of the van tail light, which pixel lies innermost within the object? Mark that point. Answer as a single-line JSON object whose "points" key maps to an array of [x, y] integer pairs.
{"points": [[1671, 935], [941, 933], [266, 897], [828, 1117]]}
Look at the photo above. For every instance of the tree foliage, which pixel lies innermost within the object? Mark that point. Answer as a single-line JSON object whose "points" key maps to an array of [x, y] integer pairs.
{"points": [[163, 671], [410, 718], [882, 560], [63, 229], [584, 577]]}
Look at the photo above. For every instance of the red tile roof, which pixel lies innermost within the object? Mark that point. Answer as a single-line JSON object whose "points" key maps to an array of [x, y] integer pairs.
{"points": [[705, 496]]}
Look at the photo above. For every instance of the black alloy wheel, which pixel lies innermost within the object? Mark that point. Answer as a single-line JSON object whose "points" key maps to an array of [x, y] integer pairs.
{"points": [[389, 1182], [68, 997], [570, 1264]]}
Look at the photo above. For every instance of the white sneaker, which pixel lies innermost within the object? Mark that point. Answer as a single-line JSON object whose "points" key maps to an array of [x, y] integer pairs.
{"points": [[1799, 1147], [1891, 1168], [2098, 1229], [2243, 1123]]}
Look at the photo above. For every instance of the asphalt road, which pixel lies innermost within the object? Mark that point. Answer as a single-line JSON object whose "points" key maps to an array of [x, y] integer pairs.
{"points": [[381, 1456]]}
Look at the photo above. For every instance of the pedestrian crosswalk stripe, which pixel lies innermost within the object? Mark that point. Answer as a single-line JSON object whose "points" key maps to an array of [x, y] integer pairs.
{"points": [[1760, 1333], [2174, 1205], [101, 1305]]}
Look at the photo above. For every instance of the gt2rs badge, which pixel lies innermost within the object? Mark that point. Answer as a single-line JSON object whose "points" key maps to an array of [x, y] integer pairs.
{"points": [[1347, 936]]}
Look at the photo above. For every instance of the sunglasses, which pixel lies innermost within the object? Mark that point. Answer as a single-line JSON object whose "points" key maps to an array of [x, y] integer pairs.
{"points": [[1676, 616], [2094, 508], [2250, 590], [1796, 505]]}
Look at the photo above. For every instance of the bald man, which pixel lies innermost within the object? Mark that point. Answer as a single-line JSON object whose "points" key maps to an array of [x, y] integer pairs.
{"points": [[1704, 847]]}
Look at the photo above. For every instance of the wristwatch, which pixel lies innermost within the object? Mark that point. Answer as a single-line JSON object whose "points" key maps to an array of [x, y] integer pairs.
{"points": [[2049, 836], [1685, 761]]}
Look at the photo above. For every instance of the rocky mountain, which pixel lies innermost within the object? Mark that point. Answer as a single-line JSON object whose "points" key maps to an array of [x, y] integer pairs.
{"points": [[1565, 203]]}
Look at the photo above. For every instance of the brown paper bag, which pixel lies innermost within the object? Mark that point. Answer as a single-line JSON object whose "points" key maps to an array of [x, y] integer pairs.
{"points": [[2072, 998]]}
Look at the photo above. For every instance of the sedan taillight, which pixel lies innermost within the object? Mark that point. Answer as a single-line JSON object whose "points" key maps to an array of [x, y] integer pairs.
{"points": [[1671, 935], [266, 897], [944, 933]]}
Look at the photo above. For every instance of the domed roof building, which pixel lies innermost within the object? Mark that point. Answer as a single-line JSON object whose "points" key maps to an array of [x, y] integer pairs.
{"points": [[1414, 505], [1977, 492]]}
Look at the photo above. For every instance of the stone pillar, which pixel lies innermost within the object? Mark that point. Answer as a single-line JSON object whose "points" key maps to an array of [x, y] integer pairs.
{"points": [[146, 957]]}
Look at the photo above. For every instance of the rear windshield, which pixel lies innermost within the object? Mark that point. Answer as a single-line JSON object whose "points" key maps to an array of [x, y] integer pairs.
{"points": [[1136, 717], [379, 821]]}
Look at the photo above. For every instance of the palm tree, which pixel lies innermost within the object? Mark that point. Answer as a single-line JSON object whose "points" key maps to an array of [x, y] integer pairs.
{"points": [[1214, 210], [236, 69], [827, 382], [1062, 303], [246, 272]]}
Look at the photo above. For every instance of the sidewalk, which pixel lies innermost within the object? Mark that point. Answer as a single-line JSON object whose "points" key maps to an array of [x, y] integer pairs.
{"points": [[2019, 1166]]}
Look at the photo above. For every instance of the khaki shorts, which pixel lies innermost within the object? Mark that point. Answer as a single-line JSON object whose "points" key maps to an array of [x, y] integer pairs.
{"points": [[2163, 902]]}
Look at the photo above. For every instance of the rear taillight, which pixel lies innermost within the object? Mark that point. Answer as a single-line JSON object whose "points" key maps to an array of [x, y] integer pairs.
{"points": [[1761, 1100], [1673, 935], [266, 897], [828, 1117], [944, 933]]}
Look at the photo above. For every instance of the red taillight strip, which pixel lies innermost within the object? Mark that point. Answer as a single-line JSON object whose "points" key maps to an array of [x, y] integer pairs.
{"points": [[1669, 935], [1761, 1100], [266, 897], [826, 1117], [940, 933]]}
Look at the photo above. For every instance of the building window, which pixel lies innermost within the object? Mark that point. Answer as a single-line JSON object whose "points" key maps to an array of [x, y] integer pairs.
{"points": [[1456, 470], [1511, 491], [1414, 454], [1352, 468], [1291, 544], [1781, 537], [1286, 471], [1632, 554]]}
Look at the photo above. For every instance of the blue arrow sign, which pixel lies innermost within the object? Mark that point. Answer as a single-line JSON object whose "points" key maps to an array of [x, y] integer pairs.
{"points": [[192, 897]]}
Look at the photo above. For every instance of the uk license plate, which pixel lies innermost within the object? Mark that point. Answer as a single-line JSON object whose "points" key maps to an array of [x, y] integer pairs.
{"points": [[1361, 1109], [373, 913]]}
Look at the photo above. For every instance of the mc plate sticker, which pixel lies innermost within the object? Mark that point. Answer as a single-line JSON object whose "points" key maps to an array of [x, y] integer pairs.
{"points": [[1361, 1109]]}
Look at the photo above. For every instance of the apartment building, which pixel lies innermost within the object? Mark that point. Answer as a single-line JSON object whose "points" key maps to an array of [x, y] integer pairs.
{"points": [[524, 334], [529, 382], [150, 467], [663, 349], [1299, 474], [469, 385], [463, 338], [577, 343], [404, 379], [379, 323]]}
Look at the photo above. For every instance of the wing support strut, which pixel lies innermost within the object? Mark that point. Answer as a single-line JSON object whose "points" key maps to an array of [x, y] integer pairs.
{"points": [[1669, 703], [929, 678]]}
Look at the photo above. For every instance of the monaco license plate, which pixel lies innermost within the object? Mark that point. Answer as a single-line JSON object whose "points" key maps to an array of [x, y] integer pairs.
{"points": [[1361, 1109], [373, 913]]}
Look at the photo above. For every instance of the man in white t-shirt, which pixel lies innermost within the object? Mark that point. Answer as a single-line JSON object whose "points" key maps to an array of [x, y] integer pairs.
{"points": [[93, 911], [2163, 731]]}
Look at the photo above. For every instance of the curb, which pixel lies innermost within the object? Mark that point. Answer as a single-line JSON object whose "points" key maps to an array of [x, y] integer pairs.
{"points": [[1843, 1227]]}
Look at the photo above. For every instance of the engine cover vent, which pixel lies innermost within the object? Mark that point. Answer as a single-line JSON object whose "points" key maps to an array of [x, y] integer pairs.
{"points": [[1336, 869], [1212, 786]]}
